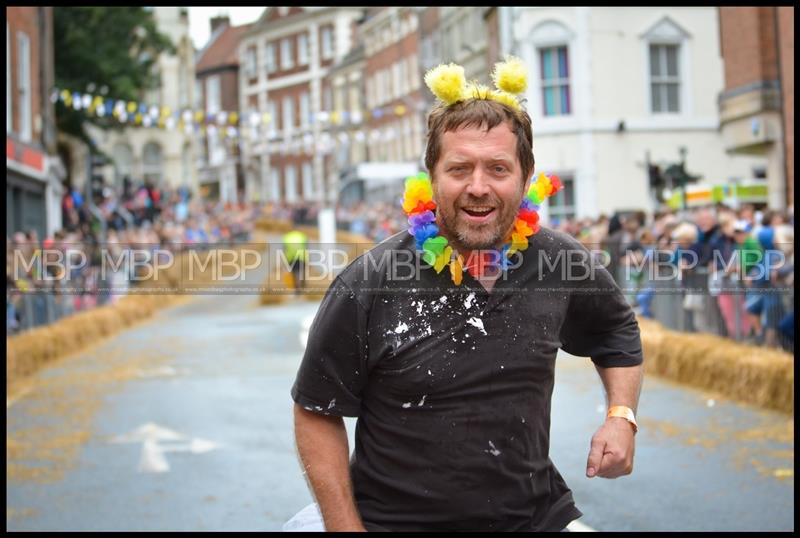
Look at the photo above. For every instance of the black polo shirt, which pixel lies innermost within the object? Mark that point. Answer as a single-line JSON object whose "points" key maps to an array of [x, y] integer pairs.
{"points": [[452, 384]]}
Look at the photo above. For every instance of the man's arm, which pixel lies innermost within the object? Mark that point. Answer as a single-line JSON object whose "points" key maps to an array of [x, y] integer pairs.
{"points": [[611, 453], [322, 444]]}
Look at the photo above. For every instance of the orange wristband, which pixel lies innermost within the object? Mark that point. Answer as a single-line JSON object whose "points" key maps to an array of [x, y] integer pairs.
{"points": [[623, 412]]}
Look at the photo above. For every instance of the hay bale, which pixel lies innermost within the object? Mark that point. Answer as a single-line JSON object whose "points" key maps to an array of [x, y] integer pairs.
{"points": [[30, 351], [755, 375]]}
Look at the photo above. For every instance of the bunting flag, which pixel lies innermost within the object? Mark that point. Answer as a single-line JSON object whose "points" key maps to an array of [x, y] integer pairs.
{"points": [[226, 124]]}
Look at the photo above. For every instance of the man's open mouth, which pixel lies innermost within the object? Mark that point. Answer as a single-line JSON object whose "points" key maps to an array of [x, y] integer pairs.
{"points": [[477, 211]]}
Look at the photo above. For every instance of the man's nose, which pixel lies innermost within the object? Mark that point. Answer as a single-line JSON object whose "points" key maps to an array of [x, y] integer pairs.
{"points": [[478, 185]]}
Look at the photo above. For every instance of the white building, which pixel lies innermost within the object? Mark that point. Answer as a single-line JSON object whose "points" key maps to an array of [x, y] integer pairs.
{"points": [[163, 156], [608, 86]]}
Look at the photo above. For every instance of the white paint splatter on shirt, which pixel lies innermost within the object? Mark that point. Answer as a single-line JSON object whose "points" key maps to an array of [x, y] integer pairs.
{"points": [[477, 322], [401, 328], [468, 301], [406, 405], [493, 450], [422, 401]]}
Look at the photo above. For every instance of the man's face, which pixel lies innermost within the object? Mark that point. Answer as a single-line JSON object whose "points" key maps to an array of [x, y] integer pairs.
{"points": [[478, 186]]}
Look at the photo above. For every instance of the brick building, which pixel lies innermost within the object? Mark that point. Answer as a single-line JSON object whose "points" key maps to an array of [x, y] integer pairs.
{"points": [[394, 88], [217, 88], [346, 123], [757, 103], [33, 170], [285, 56]]}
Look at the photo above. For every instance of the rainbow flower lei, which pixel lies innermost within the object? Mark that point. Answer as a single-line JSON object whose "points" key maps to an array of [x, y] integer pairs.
{"points": [[419, 206]]}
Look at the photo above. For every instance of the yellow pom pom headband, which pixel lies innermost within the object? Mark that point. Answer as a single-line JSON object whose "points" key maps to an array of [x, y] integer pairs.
{"points": [[448, 84]]}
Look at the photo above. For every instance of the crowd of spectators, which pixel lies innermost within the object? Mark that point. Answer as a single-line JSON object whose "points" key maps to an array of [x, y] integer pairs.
{"points": [[736, 265], [144, 218]]}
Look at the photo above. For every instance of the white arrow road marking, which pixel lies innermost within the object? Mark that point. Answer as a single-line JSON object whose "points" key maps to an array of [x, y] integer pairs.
{"points": [[197, 446], [147, 432], [153, 459]]}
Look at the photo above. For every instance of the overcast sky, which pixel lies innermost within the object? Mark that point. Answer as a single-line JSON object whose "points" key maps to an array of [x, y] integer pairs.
{"points": [[200, 17]]}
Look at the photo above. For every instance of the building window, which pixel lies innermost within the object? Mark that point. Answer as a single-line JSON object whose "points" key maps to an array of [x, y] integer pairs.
{"points": [[24, 85], [302, 49], [562, 205], [198, 95], [272, 111], [396, 92], [275, 185], [327, 43], [291, 183], [355, 103], [327, 99], [385, 89], [404, 79], [370, 93], [288, 113], [555, 81], [305, 110], [216, 150], [250, 63], [152, 159], [213, 97], [183, 88], [271, 65], [287, 59], [308, 182], [664, 79]]}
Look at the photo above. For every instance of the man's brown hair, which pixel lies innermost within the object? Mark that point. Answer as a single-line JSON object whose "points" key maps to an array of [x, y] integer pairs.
{"points": [[479, 113]]}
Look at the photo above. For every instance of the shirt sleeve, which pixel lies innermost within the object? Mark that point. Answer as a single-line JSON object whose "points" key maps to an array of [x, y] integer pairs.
{"points": [[601, 324], [333, 371]]}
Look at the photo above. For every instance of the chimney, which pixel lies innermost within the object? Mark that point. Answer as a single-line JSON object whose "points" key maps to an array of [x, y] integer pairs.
{"points": [[219, 20]]}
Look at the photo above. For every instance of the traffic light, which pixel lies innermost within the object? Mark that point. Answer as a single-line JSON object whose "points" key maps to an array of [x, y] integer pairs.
{"points": [[656, 177]]}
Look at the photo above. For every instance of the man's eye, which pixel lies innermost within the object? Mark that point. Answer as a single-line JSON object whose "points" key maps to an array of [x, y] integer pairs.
{"points": [[499, 169], [457, 169]]}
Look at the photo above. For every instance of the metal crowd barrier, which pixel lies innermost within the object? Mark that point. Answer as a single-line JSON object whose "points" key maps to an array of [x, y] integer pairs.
{"points": [[756, 314]]}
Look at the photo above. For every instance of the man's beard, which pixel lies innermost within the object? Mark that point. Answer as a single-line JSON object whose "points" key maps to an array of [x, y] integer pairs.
{"points": [[466, 236]]}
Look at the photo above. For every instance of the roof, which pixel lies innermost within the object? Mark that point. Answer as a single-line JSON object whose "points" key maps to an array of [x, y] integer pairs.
{"points": [[221, 50]]}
